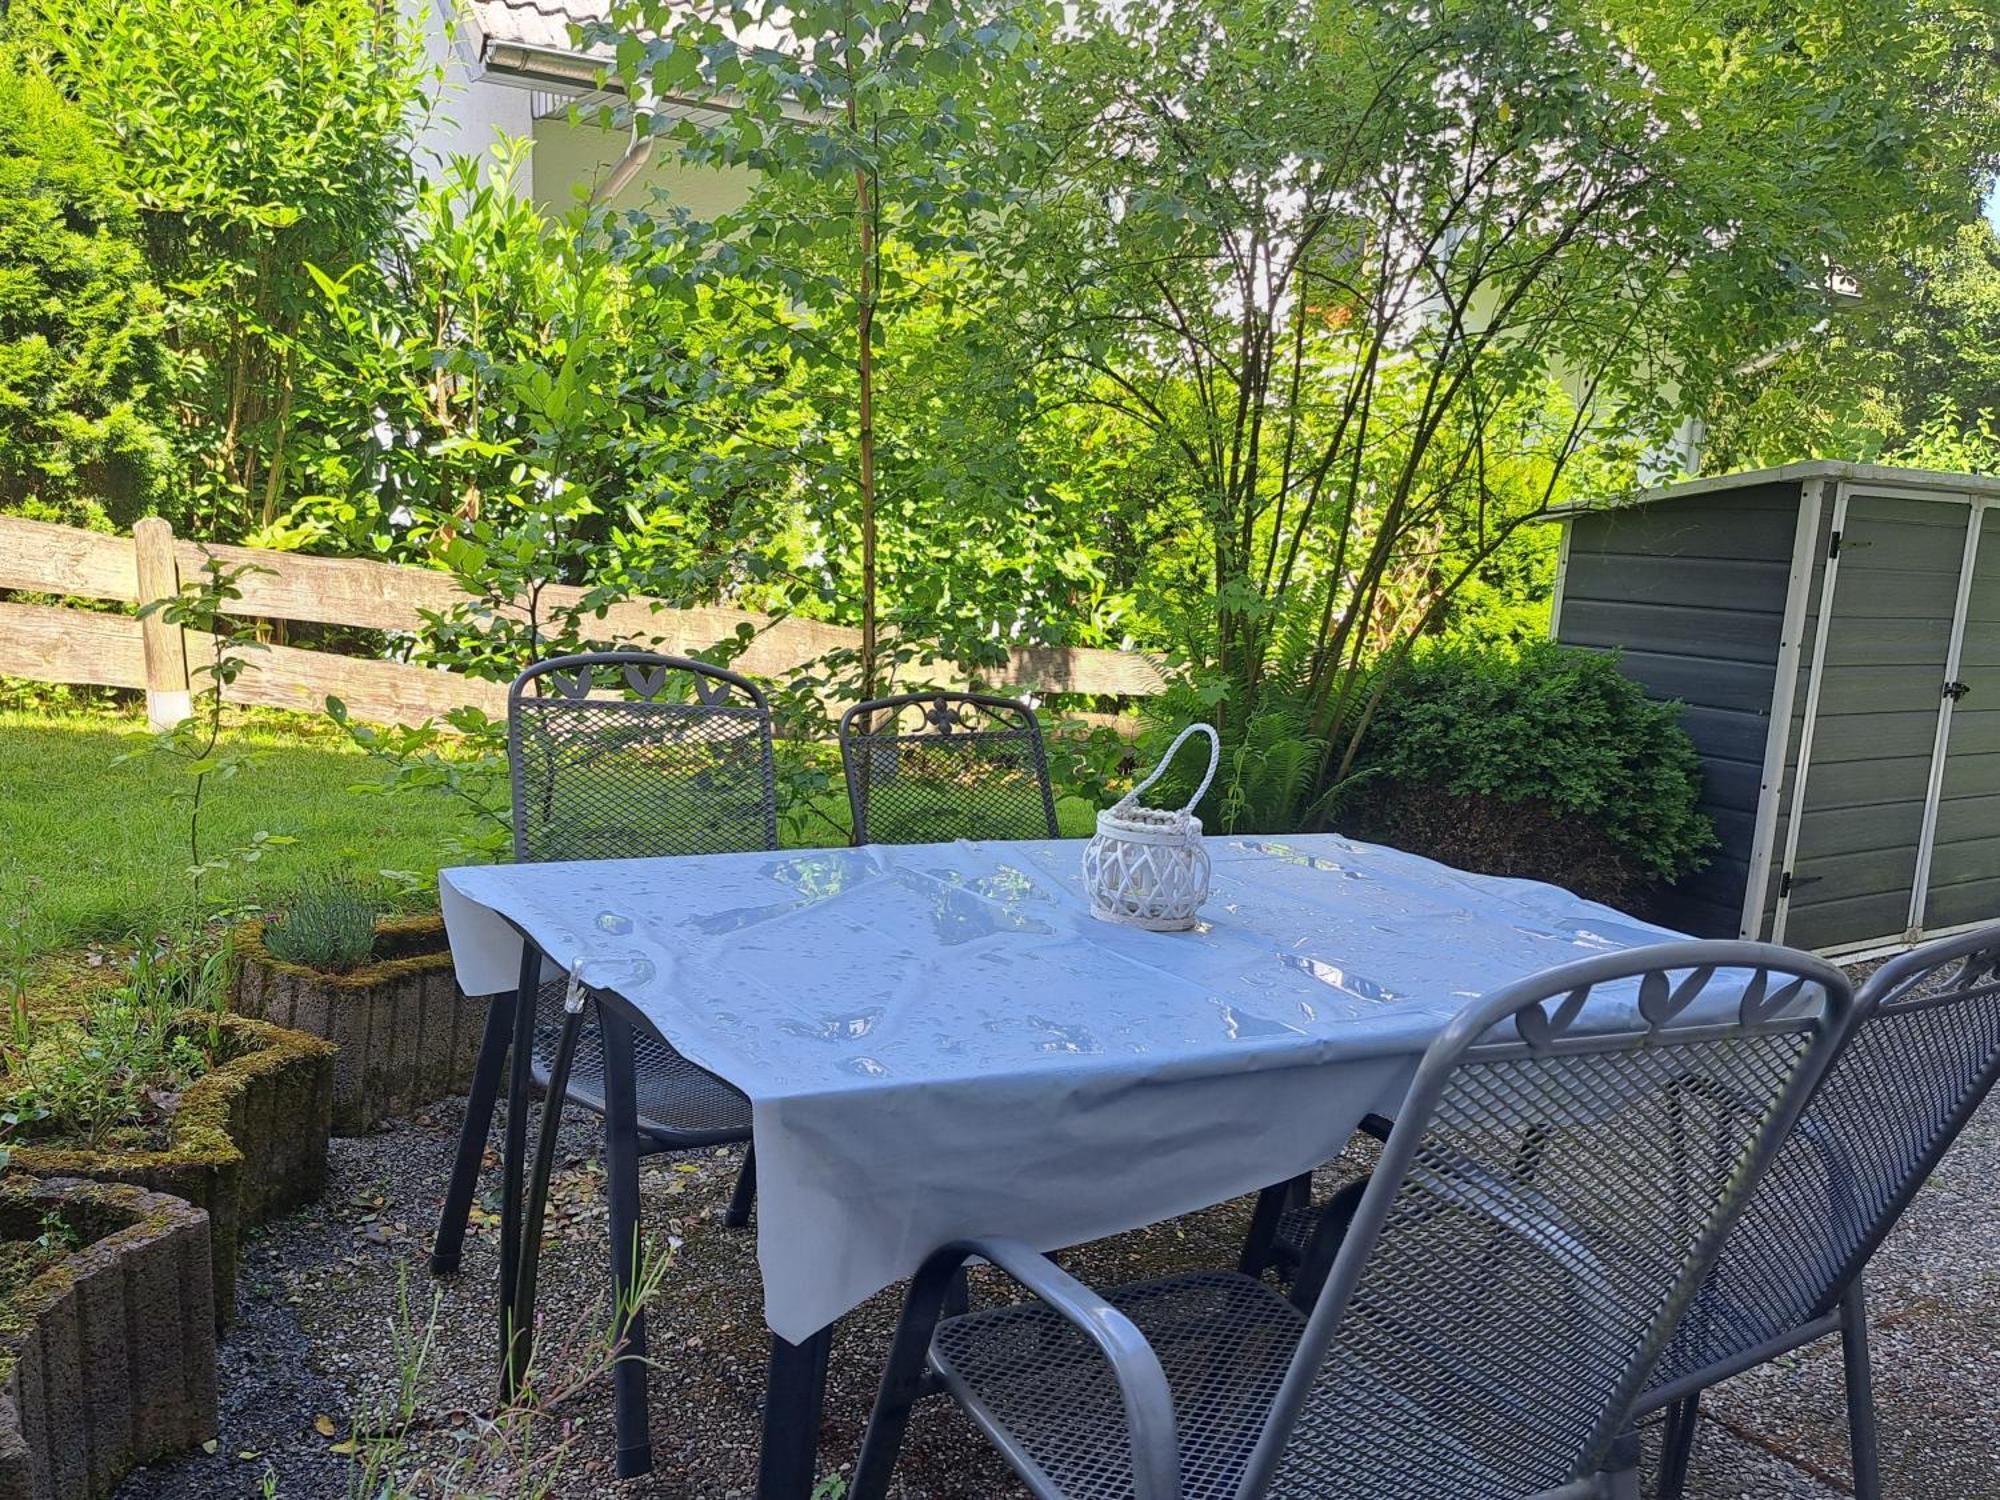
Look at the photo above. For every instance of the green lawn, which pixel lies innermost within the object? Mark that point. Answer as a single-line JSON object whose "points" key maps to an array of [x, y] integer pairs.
{"points": [[90, 849], [93, 850]]}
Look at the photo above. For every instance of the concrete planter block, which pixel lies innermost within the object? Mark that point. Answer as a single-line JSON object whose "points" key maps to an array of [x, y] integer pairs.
{"points": [[109, 1355], [407, 1034], [247, 1142]]}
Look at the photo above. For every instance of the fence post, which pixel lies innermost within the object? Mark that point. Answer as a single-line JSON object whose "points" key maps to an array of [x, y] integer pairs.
{"points": [[168, 700]]}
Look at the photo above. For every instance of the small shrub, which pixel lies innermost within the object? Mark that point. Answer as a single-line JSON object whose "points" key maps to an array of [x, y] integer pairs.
{"points": [[330, 926], [111, 1076], [1555, 740]]}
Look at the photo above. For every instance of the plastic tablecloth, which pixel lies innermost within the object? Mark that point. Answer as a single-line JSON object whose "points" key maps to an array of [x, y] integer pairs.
{"points": [[940, 1040]]}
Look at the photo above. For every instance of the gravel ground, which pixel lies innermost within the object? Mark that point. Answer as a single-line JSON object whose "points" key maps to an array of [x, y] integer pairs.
{"points": [[334, 1299]]}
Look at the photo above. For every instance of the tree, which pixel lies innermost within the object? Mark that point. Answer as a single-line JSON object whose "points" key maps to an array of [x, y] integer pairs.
{"points": [[1898, 376], [254, 137], [81, 360], [1381, 278], [886, 148]]}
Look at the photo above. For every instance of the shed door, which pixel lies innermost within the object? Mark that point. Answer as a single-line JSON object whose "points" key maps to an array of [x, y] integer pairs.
{"points": [[1874, 725], [1964, 869]]}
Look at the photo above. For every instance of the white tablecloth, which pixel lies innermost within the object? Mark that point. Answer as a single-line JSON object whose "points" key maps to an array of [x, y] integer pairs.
{"points": [[939, 1040]]}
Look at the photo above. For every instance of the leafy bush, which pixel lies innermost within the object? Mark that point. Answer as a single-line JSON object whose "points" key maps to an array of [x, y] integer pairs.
{"points": [[329, 925], [81, 323], [113, 1073], [1555, 736]]}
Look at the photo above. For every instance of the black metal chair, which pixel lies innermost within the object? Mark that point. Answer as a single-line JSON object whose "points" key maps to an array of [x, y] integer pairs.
{"points": [[1481, 1336], [925, 768], [1923, 1052], [631, 755]]}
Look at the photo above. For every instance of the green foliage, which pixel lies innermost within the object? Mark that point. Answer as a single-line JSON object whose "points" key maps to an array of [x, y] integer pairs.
{"points": [[1903, 374], [81, 359], [115, 1072], [464, 757], [327, 925], [1378, 285], [1963, 443], [255, 137], [195, 743], [1545, 724], [888, 147]]}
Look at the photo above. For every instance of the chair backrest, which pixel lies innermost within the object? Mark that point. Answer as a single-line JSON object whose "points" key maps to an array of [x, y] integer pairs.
{"points": [[628, 755], [1558, 1179], [1923, 1052], [925, 768]]}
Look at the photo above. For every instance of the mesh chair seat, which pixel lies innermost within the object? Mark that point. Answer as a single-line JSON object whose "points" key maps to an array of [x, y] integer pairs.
{"points": [[680, 1104], [1225, 1341], [1294, 1233]]}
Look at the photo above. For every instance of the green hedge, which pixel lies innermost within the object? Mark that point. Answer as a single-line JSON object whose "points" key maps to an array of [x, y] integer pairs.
{"points": [[1542, 761]]}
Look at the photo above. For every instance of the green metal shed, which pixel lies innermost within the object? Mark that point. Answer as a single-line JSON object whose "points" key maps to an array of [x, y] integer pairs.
{"points": [[1833, 632]]}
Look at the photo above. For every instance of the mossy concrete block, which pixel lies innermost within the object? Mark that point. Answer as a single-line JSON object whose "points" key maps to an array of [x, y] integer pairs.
{"points": [[247, 1142], [407, 1034], [108, 1356]]}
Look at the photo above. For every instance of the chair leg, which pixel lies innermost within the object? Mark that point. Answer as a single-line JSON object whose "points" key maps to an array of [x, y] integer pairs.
{"points": [[1619, 1479], [1860, 1394], [1263, 1232], [737, 1216], [1677, 1447], [621, 1159], [447, 1248], [904, 1379]]}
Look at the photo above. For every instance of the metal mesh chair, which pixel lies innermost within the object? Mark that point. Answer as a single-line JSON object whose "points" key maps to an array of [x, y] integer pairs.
{"points": [[1923, 1053], [624, 755], [680, 763], [925, 768], [1484, 1330]]}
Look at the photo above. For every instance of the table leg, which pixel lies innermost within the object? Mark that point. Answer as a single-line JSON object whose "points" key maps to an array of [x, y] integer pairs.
{"points": [[621, 1159], [449, 1245], [794, 1392], [547, 1136], [513, 1337]]}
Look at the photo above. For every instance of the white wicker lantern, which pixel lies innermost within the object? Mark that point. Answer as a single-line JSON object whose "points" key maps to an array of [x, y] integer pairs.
{"points": [[1146, 866]]}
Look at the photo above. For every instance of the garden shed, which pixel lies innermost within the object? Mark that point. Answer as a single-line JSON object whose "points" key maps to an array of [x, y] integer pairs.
{"points": [[1833, 632]]}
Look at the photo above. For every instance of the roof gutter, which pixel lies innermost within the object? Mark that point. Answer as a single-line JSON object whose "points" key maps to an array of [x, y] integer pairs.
{"points": [[579, 72]]}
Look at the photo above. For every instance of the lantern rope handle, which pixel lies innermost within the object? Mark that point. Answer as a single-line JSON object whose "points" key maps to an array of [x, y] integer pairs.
{"points": [[1214, 764]]}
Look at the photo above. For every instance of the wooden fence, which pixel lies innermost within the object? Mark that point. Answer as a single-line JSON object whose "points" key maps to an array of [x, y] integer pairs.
{"points": [[53, 644]]}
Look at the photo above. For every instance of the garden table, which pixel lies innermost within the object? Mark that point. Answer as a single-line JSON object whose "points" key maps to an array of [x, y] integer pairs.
{"points": [[939, 1041]]}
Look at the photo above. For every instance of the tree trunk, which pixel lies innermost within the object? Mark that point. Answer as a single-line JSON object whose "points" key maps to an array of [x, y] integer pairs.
{"points": [[865, 331]]}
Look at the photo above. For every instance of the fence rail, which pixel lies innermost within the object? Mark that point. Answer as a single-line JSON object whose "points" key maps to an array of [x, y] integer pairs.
{"points": [[50, 643]]}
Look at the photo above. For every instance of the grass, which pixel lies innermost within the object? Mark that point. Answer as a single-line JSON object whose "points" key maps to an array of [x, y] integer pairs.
{"points": [[93, 851]]}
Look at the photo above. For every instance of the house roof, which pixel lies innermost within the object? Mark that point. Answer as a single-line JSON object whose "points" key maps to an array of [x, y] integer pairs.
{"points": [[538, 43], [545, 25]]}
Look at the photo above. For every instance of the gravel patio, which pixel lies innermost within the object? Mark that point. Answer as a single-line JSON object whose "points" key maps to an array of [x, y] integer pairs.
{"points": [[315, 1347]]}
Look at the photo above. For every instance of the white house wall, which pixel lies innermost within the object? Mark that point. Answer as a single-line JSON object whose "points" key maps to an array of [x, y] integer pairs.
{"points": [[574, 156], [472, 111]]}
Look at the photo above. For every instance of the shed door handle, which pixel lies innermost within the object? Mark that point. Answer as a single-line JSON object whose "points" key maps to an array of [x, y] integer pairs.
{"points": [[1956, 690]]}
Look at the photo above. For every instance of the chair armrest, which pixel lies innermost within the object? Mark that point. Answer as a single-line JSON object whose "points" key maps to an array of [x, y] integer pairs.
{"points": [[1149, 1405]]}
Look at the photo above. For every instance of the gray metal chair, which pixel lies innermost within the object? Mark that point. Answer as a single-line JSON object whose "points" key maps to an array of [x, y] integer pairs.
{"points": [[1480, 1337], [924, 768], [624, 755], [1923, 1052]]}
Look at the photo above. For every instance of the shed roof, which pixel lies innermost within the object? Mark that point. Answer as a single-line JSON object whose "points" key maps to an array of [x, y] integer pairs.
{"points": [[1817, 468]]}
